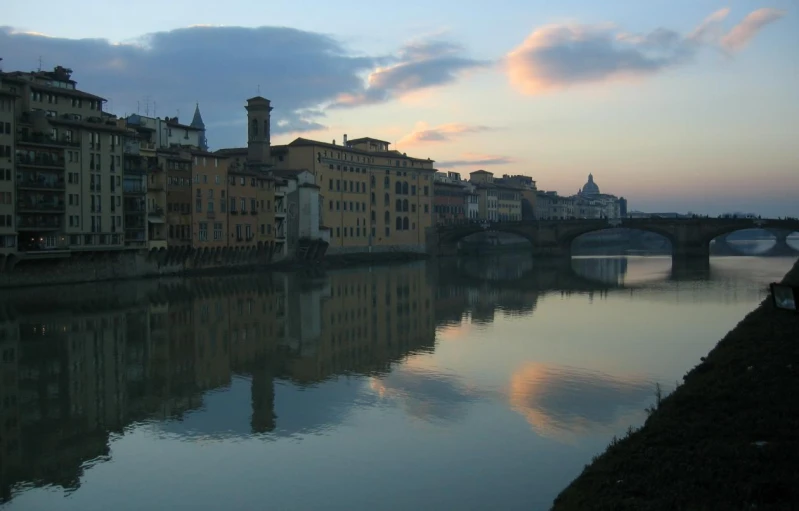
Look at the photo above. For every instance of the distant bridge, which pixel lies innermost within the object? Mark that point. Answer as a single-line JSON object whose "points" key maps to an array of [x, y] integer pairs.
{"points": [[689, 237]]}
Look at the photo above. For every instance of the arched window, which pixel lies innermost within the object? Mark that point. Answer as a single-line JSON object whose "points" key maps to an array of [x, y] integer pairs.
{"points": [[398, 188], [372, 181], [387, 218], [398, 209], [405, 223], [399, 224], [386, 182], [387, 199], [255, 127], [405, 205], [405, 188]]}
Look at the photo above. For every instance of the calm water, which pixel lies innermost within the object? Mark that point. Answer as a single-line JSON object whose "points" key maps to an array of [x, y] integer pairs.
{"points": [[477, 384]]}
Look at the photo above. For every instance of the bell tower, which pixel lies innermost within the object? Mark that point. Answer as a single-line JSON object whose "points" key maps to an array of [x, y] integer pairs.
{"points": [[258, 133]]}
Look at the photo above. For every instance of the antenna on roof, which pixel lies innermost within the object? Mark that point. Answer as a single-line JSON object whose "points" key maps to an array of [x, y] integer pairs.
{"points": [[138, 107], [154, 105], [40, 62]]}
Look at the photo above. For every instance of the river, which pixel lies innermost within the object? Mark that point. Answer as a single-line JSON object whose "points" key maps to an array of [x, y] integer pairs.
{"points": [[476, 383]]}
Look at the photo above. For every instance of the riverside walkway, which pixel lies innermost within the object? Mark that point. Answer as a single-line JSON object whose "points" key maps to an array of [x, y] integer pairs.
{"points": [[726, 439]]}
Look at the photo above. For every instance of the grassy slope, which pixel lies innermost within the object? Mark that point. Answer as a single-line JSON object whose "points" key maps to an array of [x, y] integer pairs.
{"points": [[699, 449]]}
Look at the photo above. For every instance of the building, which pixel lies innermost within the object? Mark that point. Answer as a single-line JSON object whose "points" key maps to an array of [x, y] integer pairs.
{"points": [[134, 192], [449, 202], [176, 164], [209, 190], [374, 198], [487, 198], [591, 203], [528, 192], [8, 227], [67, 166]]}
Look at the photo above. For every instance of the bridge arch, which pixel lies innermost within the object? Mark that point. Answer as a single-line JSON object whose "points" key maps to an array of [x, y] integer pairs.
{"points": [[453, 235], [569, 237]]}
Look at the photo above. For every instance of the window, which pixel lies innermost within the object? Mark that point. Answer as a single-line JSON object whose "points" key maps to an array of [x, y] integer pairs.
{"points": [[217, 231], [399, 224], [203, 236], [243, 205], [405, 224]]}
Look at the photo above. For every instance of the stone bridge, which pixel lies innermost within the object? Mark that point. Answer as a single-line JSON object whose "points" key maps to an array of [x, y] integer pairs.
{"points": [[689, 237]]}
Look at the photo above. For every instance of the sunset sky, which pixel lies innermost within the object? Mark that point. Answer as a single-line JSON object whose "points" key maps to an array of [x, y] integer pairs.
{"points": [[677, 105]]}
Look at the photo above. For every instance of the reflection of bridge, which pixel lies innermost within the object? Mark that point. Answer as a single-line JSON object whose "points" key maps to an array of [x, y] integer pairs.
{"points": [[723, 247], [688, 237], [563, 274]]}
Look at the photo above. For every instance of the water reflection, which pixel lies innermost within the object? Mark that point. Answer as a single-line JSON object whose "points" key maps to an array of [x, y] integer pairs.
{"points": [[429, 356], [563, 402]]}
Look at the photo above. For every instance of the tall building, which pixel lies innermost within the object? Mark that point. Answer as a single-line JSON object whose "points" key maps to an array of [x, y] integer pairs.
{"points": [[8, 227], [67, 168]]}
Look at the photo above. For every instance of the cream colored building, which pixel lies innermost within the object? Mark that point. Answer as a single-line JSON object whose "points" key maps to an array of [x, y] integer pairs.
{"points": [[373, 197], [8, 227], [68, 163]]}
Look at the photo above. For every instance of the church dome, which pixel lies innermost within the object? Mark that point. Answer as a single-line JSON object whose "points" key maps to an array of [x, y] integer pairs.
{"points": [[590, 187]]}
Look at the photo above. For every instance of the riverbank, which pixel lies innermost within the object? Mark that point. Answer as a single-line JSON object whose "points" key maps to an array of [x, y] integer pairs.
{"points": [[726, 439], [133, 266]]}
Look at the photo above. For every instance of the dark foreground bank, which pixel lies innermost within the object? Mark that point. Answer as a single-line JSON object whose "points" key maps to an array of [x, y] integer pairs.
{"points": [[726, 439]]}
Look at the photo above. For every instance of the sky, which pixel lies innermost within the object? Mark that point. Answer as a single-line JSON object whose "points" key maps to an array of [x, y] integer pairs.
{"points": [[677, 105]]}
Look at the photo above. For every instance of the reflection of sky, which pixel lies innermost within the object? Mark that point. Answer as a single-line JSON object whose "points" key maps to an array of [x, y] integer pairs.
{"points": [[501, 415]]}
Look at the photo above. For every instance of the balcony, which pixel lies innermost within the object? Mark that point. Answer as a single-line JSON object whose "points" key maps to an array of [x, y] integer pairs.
{"points": [[40, 162], [280, 212], [210, 215], [38, 223], [41, 139], [129, 189], [254, 212], [147, 146], [40, 207], [39, 183], [234, 212], [155, 187], [157, 211]]}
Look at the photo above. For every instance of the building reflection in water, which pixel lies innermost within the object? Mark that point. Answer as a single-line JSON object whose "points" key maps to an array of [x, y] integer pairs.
{"points": [[79, 367], [82, 364]]}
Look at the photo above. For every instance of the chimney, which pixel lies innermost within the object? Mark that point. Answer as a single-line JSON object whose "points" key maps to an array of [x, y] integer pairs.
{"points": [[345, 140]]}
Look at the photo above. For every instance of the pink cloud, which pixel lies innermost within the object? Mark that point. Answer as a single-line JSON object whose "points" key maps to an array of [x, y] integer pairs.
{"points": [[424, 134], [746, 30], [476, 160], [555, 57]]}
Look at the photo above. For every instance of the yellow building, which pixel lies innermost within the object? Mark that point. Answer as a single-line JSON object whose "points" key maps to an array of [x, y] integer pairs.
{"points": [[373, 197]]}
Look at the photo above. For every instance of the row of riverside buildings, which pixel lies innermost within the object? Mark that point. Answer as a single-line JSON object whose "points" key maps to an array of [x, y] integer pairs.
{"points": [[485, 198], [76, 178]]}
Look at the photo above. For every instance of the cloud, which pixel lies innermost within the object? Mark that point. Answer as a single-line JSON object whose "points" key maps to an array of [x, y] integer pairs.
{"points": [[419, 65], [218, 66], [556, 57], [444, 133], [746, 30], [564, 403], [475, 160]]}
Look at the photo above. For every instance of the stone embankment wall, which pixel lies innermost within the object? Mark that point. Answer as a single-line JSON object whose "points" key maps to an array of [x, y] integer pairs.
{"points": [[98, 266]]}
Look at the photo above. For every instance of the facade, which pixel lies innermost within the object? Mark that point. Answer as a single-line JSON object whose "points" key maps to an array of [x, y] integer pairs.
{"points": [[528, 193], [177, 166], [487, 200], [373, 197], [265, 198], [209, 192], [449, 203], [134, 192], [67, 166], [8, 227], [243, 185]]}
